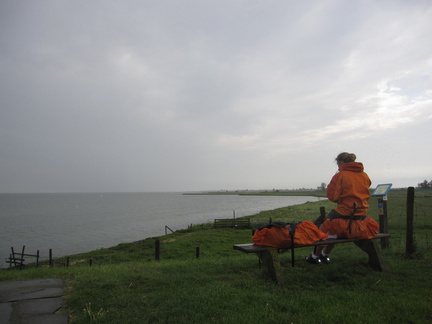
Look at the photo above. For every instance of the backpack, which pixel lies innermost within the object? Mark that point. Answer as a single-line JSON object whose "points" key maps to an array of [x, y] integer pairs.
{"points": [[282, 235]]}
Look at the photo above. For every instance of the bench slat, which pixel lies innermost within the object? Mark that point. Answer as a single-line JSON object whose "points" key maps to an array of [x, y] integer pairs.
{"points": [[253, 248]]}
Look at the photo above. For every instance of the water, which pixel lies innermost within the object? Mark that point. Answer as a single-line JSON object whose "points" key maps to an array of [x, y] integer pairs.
{"points": [[75, 223]]}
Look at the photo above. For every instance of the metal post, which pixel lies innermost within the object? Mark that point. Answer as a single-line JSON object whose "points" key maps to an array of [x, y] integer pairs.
{"points": [[383, 222]]}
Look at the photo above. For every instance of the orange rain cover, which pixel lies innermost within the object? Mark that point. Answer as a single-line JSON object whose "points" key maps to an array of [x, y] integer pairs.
{"points": [[305, 233]]}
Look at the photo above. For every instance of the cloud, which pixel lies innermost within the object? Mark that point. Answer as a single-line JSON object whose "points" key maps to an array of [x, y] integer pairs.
{"points": [[168, 95]]}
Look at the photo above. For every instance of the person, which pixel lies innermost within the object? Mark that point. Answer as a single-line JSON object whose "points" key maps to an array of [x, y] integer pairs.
{"points": [[349, 188]]}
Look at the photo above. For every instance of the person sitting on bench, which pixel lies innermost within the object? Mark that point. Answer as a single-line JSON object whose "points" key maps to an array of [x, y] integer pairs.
{"points": [[349, 188]]}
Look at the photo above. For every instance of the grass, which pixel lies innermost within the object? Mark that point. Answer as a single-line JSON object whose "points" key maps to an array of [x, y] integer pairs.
{"points": [[126, 285]]}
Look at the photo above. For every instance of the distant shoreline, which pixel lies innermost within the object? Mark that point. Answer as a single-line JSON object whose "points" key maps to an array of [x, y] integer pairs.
{"points": [[300, 192]]}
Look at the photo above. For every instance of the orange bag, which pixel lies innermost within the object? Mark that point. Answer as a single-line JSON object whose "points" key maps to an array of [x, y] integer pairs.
{"points": [[280, 234]]}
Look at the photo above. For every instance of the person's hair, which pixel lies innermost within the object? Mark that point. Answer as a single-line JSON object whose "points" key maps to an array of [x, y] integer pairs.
{"points": [[346, 157]]}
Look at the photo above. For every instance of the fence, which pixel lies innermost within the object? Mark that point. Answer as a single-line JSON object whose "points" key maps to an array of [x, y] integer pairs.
{"points": [[400, 205], [16, 259], [232, 223]]}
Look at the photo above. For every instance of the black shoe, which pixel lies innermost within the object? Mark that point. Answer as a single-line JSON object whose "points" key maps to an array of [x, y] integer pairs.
{"points": [[312, 260], [324, 259]]}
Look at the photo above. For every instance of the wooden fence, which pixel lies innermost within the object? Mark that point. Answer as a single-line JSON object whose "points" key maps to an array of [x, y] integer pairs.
{"points": [[17, 259], [232, 222]]}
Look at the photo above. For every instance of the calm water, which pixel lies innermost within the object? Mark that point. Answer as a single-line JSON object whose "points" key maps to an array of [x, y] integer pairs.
{"points": [[75, 223]]}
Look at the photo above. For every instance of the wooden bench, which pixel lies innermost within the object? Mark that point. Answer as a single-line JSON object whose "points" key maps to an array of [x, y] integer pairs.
{"points": [[268, 256], [232, 223]]}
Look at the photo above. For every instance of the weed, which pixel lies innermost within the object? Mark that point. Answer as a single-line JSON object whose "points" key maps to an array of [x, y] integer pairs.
{"points": [[94, 317]]}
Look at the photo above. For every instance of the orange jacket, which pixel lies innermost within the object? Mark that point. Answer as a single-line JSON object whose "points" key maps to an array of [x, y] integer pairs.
{"points": [[350, 185]]}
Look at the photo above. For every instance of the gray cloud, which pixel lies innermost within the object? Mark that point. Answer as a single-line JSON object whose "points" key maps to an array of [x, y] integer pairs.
{"points": [[192, 95]]}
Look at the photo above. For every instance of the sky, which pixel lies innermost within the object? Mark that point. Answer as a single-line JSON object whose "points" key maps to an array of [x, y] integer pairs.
{"points": [[194, 95]]}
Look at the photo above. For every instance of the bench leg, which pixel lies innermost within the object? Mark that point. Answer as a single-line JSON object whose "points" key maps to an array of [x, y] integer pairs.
{"points": [[271, 263], [376, 259]]}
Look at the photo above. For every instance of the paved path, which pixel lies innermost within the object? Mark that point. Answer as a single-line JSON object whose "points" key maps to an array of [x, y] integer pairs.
{"points": [[32, 302]]}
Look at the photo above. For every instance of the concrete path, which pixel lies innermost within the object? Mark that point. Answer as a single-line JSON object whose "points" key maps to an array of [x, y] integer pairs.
{"points": [[32, 302]]}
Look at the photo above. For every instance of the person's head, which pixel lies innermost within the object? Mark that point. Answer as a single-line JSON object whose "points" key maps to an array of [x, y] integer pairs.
{"points": [[345, 157]]}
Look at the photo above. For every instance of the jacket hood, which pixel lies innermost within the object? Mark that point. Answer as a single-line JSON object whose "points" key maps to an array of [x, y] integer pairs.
{"points": [[352, 166]]}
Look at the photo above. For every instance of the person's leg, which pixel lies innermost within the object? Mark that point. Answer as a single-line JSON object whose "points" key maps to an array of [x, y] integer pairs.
{"points": [[325, 253], [327, 249], [320, 253], [315, 256], [318, 249]]}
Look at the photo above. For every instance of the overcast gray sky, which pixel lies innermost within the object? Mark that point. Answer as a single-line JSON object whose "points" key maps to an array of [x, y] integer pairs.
{"points": [[207, 95]]}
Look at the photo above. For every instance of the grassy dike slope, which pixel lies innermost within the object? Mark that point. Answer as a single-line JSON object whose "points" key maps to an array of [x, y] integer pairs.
{"points": [[126, 285]]}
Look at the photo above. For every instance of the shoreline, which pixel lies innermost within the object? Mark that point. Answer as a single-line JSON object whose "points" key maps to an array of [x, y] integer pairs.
{"points": [[149, 240], [147, 219], [277, 193]]}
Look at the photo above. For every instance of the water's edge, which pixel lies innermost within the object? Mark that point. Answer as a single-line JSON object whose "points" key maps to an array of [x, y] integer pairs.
{"points": [[76, 223]]}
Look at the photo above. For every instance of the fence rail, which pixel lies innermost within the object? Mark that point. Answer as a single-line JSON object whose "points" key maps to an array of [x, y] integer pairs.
{"points": [[232, 222]]}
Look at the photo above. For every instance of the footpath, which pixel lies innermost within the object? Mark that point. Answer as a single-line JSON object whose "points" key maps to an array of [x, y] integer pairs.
{"points": [[32, 301]]}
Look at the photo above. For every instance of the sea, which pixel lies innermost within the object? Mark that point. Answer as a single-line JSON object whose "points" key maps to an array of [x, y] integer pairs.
{"points": [[71, 223]]}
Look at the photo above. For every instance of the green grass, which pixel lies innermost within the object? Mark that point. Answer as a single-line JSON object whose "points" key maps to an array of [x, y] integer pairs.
{"points": [[126, 285]]}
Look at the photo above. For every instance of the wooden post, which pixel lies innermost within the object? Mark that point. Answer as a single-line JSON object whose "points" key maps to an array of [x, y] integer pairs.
{"points": [[157, 250], [167, 228], [272, 267], [22, 257], [37, 259], [376, 259], [13, 256], [197, 252], [383, 223], [410, 249], [67, 262], [50, 258]]}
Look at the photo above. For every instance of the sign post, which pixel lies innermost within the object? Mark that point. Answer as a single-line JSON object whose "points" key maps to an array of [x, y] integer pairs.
{"points": [[381, 192]]}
